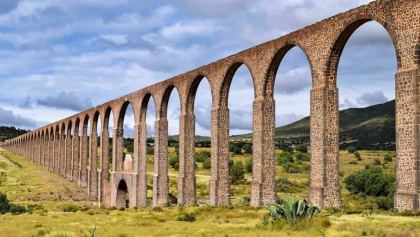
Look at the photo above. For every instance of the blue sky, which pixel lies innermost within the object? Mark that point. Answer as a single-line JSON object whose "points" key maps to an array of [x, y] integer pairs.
{"points": [[60, 57]]}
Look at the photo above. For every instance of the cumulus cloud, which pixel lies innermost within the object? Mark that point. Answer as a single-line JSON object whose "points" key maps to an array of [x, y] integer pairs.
{"points": [[8, 118], [371, 98], [66, 100], [294, 81]]}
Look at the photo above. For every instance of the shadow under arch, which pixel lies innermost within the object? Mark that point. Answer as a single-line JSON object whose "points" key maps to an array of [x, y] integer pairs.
{"points": [[122, 195]]}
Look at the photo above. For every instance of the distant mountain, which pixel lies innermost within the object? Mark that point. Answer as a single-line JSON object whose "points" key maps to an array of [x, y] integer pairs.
{"points": [[372, 127], [10, 132]]}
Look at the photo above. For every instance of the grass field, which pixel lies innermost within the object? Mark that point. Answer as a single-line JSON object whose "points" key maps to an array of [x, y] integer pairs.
{"points": [[57, 208]]}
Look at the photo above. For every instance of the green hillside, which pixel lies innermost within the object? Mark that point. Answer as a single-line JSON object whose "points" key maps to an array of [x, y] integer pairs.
{"points": [[10, 132], [371, 127]]}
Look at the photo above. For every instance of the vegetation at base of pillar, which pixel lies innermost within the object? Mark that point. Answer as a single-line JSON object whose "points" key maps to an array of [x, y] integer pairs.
{"points": [[372, 181]]}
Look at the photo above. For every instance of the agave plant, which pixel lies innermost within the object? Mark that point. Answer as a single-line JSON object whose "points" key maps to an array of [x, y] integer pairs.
{"points": [[292, 211]]}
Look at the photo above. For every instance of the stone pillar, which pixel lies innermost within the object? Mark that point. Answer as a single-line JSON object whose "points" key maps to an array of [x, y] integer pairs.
{"points": [[104, 185], [63, 154], [407, 134], [67, 166], [324, 188], [142, 163], [263, 175], [160, 175], [75, 164], [56, 153], [220, 180], [84, 156], [118, 146], [92, 168], [186, 179]]}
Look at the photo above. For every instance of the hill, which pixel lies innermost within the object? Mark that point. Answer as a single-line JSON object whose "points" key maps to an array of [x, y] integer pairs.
{"points": [[372, 127], [10, 132]]}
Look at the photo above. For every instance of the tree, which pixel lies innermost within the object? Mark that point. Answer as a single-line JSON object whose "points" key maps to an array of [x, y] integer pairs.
{"points": [[371, 181], [174, 162], [247, 148], [237, 171]]}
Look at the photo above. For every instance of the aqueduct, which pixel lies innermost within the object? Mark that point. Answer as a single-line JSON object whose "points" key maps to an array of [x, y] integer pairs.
{"points": [[65, 147]]}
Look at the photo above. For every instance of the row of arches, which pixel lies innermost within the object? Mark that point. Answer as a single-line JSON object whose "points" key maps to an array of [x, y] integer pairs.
{"points": [[106, 184]]}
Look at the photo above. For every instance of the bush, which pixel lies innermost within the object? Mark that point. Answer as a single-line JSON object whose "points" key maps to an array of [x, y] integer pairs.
{"points": [[207, 163], [357, 155], [17, 209], [236, 172], [4, 204], [285, 186], [201, 156], [247, 148], [248, 165], [70, 208], [387, 158], [236, 150], [291, 168], [174, 162], [7, 207], [376, 161], [351, 149], [302, 156], [371, 181], [386, 203], [150, 150], [188, 217], [353, 162], [284, 158]]}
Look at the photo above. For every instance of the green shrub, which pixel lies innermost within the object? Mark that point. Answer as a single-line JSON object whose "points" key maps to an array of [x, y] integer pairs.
{"points": [[376, 161], [207, 163], [284, 158], [351, 149], [302, 156], [70, 208], [387, 158], [174, 162], [386, 203], [357, 155], [285, 186], [236, 172], [371, 181], [201, 156], [150, 150], [188, 217], [4, 204], [247, 148], [7, 207], [248, 165], [291, 211], [353, 162], [291, 168]]}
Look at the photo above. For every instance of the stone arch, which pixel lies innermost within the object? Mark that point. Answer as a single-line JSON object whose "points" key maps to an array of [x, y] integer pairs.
{"points": [[121, 163], [192, 91], [84, 147], [227, 80], [163, 110], [340, 42], [143, 147], [106, 158], [268, 88], [122, 197]]}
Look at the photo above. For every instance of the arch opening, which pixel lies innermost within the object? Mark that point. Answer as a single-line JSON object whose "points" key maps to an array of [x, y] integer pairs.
{"points": [[366, 100], [122, 195], [290, 80]]}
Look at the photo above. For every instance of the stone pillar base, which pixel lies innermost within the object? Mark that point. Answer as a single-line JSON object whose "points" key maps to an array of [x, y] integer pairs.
{"points": [[404, 200], [316, 196]]}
